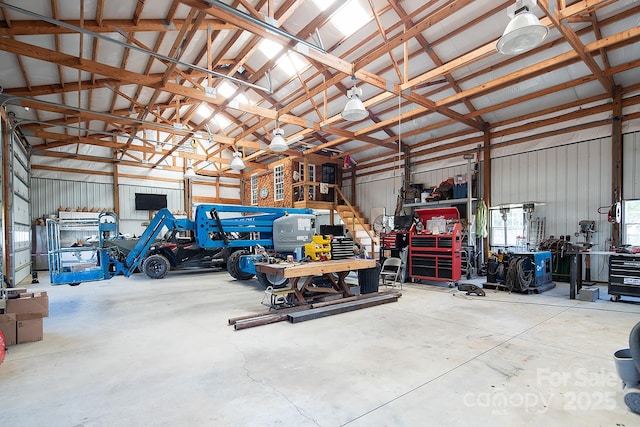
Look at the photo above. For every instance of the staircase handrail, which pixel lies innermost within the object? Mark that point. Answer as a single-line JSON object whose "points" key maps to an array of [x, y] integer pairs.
{"points": [[342, 196]]}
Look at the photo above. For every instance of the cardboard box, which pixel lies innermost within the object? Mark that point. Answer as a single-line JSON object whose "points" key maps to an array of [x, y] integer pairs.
{"points": [[28, 327], [8, 328], [39, 303]]}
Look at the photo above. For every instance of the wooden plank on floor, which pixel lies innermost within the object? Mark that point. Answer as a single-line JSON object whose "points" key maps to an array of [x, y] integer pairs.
{"points": [[234, 320], [316, 313]]}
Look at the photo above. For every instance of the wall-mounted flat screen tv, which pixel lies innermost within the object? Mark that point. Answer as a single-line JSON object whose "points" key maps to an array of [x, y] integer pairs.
{"points": [[150, 202]]}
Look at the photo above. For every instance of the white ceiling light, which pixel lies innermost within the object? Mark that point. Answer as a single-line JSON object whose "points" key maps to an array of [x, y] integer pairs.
{"points": [[190, 173], [524, 31], [278, 144], [237, 164], [354, 110]]}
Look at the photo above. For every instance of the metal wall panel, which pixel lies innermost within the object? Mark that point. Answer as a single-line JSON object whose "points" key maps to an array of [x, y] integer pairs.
{"points": [[630, 162], [573, 182], [133, 221], [49, 195], [20, 216]]}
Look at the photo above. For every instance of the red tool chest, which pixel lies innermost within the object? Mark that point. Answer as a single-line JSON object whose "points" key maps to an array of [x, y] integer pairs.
{"points": [[435, 245]]}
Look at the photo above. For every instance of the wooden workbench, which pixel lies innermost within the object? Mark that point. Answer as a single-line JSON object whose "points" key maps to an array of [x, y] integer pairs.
{"points": [[335, 271]]}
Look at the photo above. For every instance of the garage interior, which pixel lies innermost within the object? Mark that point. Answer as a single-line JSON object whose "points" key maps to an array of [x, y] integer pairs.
{"points": [[490, 147]]}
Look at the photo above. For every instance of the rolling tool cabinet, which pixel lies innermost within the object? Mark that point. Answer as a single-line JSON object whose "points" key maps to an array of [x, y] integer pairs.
{"points": [[435, 245], [624, 276]]}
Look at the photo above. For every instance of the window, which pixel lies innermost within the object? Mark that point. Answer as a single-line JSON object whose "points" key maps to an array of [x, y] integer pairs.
{"points": [[278, 183], [514, 227], [311, 178], [254, 189], [631, 223]]}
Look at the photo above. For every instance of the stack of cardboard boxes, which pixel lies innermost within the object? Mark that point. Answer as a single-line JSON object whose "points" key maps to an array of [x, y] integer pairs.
{"points": [[21, 317]]}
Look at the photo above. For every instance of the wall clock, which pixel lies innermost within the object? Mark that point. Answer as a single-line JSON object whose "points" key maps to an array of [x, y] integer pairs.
{"points": [[264, 193]]}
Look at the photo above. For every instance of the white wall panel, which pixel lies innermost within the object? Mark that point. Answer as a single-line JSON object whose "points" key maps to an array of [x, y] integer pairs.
{"points": [[573, 182], [49, 195], [630, 162]]}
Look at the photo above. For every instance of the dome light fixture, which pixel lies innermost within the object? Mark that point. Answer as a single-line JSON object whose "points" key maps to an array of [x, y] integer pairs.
{"points": [[524, 31], [278, 144], [190, 173], [354, 110], [236, 163]]}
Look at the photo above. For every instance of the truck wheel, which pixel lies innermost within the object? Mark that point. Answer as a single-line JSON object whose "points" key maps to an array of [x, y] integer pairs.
{"points": [[156, 266], [273, 280], [233, 266]]}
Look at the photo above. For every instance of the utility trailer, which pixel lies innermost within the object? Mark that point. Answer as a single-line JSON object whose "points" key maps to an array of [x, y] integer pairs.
{"points": [[244, 234]]}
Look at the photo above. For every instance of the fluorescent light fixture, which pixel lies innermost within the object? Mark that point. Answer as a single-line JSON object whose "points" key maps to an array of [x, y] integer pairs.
{"points": [[237, 163], [524, 31], [278, 144], [354, 110]]}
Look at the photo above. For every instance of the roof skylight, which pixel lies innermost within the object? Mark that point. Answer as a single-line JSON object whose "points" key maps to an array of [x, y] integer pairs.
{"points": [[269, 48], [290, 63], [222, 121], [323, 4], [350, 18]]}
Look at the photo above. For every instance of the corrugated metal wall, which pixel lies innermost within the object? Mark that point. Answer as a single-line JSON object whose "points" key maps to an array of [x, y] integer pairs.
{"points": [[49, 195], [630, 162], [573, 182]]}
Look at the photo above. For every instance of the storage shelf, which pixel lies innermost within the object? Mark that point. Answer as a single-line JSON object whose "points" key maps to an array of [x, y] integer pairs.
{"points": [[447, 202]]}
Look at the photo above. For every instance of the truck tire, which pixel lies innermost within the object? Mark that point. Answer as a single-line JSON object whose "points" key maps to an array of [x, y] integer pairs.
{"points": [[156, 266], [233, 266], [267, 280]]}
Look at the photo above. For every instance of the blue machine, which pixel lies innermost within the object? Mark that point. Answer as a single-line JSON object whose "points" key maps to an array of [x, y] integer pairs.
{"points": [[250, 227]]}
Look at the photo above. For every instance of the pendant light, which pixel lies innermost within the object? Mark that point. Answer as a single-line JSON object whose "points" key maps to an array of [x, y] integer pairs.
{"points": [[524, 31], [278, 144], [354, 109], [236, 163]]}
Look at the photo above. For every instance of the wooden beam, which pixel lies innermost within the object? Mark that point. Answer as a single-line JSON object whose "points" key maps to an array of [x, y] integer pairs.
{"points": [[577, 45]]}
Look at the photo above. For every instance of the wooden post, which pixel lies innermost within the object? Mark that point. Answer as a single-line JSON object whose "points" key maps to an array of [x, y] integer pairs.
{"points": [[616, 158]]}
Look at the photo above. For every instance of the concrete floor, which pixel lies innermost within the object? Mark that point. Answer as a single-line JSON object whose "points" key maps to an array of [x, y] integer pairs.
{"points": [[136, 351]]}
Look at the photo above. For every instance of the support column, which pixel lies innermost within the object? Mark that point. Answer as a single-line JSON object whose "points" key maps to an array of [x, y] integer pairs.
{"points": [[616, 158], [486, 155]]}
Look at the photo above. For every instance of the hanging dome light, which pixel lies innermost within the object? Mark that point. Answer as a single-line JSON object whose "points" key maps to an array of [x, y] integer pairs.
{"points": [[354, 109], [236, 163], [190, 173], [524, 31], [278, 144]]}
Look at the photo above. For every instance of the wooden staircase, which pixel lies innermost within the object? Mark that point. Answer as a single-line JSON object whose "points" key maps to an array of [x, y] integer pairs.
{"points": [[360, 229]]}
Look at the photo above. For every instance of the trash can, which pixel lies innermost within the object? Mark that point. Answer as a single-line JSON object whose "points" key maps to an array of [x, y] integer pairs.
{"points": [[368, 279]]}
